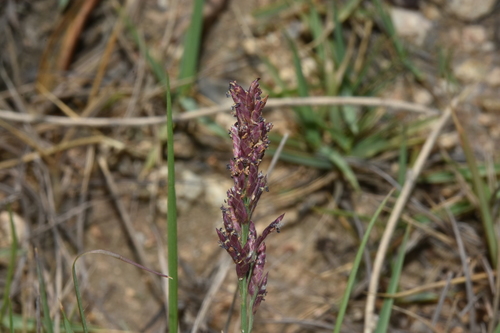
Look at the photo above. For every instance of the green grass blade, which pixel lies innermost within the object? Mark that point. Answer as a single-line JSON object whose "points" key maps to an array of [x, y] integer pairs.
{"points": [[173, 287], [398, 45], [79, 295], [350, 114], [355, 267], [316, 30], [385, 313], [481, 192], [348, 9], [306, 115], [192, 43], [10, 268], [338, 41], [67, 324], [163, 78], [403, 159], [303, 159], [47, 322], [11, 319], [342, 164], [274, 73]]}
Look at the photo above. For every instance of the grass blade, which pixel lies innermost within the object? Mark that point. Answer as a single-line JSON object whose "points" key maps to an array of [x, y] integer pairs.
{"points": [[403, 157], [47, 322], [481, 191], [355, 267], [11, 319], [342, 164], [67, 324], [385, 313], [398, 45], [306, 115], [163, 78], [10, 268], [173, 320], [192, 42]]}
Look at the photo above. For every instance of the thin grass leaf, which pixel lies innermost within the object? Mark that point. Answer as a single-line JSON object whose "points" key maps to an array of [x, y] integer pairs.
{"points": [[446, 176], [403, 158], [11, 319], [189, 104], [47, 322], [274, 73], [339, 46], [67, 324], [355, 266], [192, 42], [173, 287], [306, 115], [268, 12], [316, 30], [348, 9], [398, 45], [303, 159], [385, 313], [342, 164], [10, 267], [350, 115], [481, 192], [370, 146]]}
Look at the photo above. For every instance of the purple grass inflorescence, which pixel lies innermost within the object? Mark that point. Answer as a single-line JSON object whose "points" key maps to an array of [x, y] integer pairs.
{"points": [[238, 235]]}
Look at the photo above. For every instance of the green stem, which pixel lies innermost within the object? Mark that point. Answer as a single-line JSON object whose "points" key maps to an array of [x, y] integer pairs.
{"points": [[244, 295], [171, 217], [244, 284]]}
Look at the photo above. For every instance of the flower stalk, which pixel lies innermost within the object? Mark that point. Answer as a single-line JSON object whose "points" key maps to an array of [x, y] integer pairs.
{"points": [[238, 235]]}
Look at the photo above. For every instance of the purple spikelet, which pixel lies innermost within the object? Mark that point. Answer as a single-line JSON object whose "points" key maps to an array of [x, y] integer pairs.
{"points": [[238, 235]]}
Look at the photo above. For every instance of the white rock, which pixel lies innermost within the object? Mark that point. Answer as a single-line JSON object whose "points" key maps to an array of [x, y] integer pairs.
{"points": [[216, 190], [190, 187], [474, 38], [470, 10], [493, 78], [5, 230], [410, 24], [472, 70]]}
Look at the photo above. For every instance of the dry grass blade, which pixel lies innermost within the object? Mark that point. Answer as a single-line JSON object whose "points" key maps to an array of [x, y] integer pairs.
{"points": [[215, 285], [89, 162], [396, 214], [61, 147], [127, 222], [442, 297], [465, 266], [434, 285], [271, 103], [419, 318], [277, 155]]}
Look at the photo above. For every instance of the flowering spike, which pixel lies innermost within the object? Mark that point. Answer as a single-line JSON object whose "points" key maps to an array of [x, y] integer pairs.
{"points": [[238, 235]]}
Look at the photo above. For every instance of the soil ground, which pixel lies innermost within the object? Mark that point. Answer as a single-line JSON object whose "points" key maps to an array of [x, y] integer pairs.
{"points": [[309, 261]]}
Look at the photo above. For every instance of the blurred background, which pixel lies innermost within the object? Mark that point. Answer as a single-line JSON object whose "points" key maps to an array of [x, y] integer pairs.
{"points": [[83, 158]]}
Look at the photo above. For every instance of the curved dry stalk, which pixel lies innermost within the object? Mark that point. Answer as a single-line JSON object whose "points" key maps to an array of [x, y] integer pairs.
{"points": [[412, 175], [271, 103]]}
